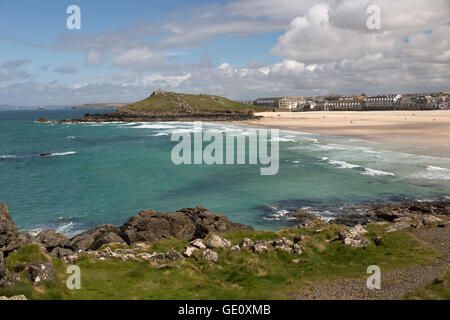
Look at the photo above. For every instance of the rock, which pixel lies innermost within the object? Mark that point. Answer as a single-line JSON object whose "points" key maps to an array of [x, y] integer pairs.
{"points": [[297, 249], [282, 242], [284, 248], [9, 280], [154, 257], [189, 251], [17, 298], [296, 261], [246, 243], [235, 248], [350, 220], [216, 241], [259, 247], [416, 224], [398, 226], [95, 238], [198, 243], [299, 238], [210, 255], [50, 239], [353, 237], [124, 251], [2, 266], [173, 255], [38, 272], [378, 240], [105, 253], [61, 252], [140, 246], [124, 257], [70, 258], [430, 220], [185, 224], [23, 239], [8, 229]]}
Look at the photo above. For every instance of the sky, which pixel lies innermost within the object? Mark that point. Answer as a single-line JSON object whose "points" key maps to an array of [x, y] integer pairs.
{"points": [[241, 49]]}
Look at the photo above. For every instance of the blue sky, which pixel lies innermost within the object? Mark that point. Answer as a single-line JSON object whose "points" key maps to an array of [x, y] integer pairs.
{"points": [[241, 49]]}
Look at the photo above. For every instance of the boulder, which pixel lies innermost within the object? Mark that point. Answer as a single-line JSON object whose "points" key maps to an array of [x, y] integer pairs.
{"points": [[185, 224], [430, 220], [8, 229], [235, 248], [297, 248], [260, 247], [353, 237], [38, 272], [216, 241], [23, 239], [95, 238], [50, 239], [210, 255], [61, 252], [189, 251], [246, 243], [282, 242], [173, 255], [299, 238], [198, 243], [378, 241], [398, 226]]}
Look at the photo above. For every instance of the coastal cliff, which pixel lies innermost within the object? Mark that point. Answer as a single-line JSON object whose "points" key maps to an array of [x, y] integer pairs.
{"points": [[198, 254]]}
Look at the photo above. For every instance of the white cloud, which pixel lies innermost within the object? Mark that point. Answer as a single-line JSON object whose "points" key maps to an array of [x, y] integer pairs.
{"points": [[138, 57]]}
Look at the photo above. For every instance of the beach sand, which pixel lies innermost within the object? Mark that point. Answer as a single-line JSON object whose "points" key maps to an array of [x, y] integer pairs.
{"points": [[427, 132]]}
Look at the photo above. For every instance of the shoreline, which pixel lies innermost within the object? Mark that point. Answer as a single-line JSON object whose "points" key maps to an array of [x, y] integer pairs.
{"points": [[423, 132]]}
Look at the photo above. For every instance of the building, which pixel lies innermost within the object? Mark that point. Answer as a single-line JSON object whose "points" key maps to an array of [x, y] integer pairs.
{"points": [[267, 102], [292, 103], [383, 102], [344, 105]]}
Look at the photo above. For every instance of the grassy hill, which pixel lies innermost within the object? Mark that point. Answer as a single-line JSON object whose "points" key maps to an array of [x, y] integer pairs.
{"points": [[181, 102], [236, 275]]}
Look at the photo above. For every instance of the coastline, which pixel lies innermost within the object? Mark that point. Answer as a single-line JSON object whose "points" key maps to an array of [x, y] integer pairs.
{"points": [[423, 132]]}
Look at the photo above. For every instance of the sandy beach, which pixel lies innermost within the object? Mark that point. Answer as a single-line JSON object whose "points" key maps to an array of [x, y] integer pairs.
{"points": [[428, 132]]}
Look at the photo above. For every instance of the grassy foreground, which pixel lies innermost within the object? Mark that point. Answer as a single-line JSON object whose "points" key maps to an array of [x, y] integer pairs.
{"points": [[241, 275], [169, 101]]}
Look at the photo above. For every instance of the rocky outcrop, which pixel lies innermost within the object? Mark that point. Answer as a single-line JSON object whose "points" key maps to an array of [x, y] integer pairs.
{"points": [[215, 242], [95, 238], [354, 237], [210, 255], [185, 224], [50, 239], [14, 298], [8, 229], [37, 272]]}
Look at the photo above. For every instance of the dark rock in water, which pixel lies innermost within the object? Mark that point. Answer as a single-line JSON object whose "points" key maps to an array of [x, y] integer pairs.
{"points": [[42, 120], [95, 238], [301, 216], [185, 224], [45, 155], [37, 271], [8, 229], [61, 252], [51, 239], [23, 239]]}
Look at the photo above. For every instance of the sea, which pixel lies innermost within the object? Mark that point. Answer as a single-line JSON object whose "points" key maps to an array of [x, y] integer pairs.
{"points": [[104, 173]]}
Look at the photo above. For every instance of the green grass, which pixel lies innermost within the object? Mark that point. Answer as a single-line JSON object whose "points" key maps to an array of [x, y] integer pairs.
{"points": [[242, 275], [202, 102], [437, 290]]}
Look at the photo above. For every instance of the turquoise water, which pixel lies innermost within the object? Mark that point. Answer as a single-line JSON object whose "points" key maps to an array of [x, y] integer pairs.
{"points": [[105, 173]]}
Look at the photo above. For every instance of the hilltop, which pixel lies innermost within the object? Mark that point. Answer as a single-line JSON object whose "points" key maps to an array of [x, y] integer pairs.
{"points": [[182, 102]]}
